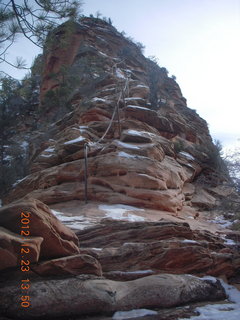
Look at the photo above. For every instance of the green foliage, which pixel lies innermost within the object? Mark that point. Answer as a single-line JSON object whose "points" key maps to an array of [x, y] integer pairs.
{"points": [[33, 20], [125, 53], [85, 71], [140, 46], [178, 146], [8, 88], [232, 161], [214, 154], [37, 66], [153, 60], [164, 70]]}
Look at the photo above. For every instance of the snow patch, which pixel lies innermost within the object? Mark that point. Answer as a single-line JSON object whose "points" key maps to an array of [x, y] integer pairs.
{"points": [[96, 99], [135, 313], [46, 155], [136, 133], [141, 86], [49, 149], [120, 74], [229, 311], [222, 222], [7, 158], [188, 241], [125, 155], [24, 145], [187, 155], [75, 140], [120, 212], [103, 54], [73, 222], [209, 278], [137, 107], [18, 181], [133, 98], [126, 145], [229, 242], [83, 127]]}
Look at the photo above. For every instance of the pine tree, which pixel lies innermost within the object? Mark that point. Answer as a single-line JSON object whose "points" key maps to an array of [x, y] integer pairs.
{"points": [[33, 20]]}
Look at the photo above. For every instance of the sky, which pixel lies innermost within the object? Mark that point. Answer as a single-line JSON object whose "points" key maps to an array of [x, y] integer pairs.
{"points": [[196, 40]]}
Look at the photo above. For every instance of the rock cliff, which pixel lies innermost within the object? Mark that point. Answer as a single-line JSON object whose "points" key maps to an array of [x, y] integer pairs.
{"points": [[145, 146], [112, 138]]}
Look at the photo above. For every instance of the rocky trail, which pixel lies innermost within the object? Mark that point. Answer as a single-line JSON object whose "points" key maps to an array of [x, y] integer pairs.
{"points": [[129, 259]]}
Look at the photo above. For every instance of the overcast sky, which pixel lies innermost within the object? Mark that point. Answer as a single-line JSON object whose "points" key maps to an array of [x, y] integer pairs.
{"points": [[196, 40]]}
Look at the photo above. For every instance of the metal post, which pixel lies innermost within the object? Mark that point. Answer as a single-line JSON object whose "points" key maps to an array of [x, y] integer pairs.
{"points": [[85, 173]]}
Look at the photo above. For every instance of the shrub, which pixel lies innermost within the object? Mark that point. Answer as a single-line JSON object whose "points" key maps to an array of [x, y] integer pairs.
{"points": [[178, 146]]}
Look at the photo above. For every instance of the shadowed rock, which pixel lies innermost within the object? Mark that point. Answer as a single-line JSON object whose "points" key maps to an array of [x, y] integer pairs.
{"points": [[75, 297], [58, 240]]}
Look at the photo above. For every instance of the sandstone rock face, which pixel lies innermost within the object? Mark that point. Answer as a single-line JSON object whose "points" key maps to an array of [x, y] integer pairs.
{"points": [[58, 240], [127, 250], [154, 146], [72, 265], [105, 296], [11, 250]]}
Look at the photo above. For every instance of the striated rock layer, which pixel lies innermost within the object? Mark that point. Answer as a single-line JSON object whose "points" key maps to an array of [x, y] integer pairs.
{"points": [[128, 250], [145, 146]]}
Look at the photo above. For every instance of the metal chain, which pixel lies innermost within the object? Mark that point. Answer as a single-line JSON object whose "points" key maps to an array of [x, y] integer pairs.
{"points": [[86, 145]]}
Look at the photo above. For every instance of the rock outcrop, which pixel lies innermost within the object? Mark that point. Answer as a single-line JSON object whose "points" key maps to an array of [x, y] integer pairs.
{"points": [[71, 265], [128, 250], [10, 248], [50, 237], [144, 144]]}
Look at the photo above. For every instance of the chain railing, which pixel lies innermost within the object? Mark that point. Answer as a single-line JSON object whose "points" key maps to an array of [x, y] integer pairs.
{"points": [[124, 90]]}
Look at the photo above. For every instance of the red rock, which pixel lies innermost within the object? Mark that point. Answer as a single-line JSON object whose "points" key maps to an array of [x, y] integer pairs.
{"points": [[58, 240], [72, 265], [11, 249], [158, 246], [137, 153]]}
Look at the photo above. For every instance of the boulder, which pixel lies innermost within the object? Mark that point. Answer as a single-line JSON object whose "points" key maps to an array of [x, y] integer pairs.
{"points": [[76, 297], [203, 199], [12, 249], [58, 240], [72, 265]]}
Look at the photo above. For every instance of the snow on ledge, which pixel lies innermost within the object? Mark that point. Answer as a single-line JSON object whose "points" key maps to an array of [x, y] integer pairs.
{"points": [[137, 107], [188, 241], [186, 155], [126, 145], [137, 133], [120, 74], [120, 212], [135, 313], [125, 155], [96, 99], [225, 311], [49, 149], [75, 140]]}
